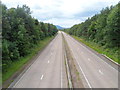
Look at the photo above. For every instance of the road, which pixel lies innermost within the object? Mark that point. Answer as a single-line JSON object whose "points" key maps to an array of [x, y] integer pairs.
{"points": [[48, 71], [95, 72]]}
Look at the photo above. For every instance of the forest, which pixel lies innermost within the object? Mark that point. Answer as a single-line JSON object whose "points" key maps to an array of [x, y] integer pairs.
{"points": [[102, 28], [20, 33]]}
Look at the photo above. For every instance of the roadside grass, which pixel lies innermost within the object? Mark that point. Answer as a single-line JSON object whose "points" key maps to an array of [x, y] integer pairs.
{"points": [[0, 62], [0, 79], [15, 66], [111, 53]]}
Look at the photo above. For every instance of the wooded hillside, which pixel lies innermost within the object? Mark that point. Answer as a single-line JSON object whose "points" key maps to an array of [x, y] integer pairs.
{"points": [[102, 28], [20, 33]]}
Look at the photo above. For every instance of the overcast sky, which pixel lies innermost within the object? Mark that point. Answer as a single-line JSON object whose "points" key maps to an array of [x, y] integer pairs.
{"points": [[65, 13]]}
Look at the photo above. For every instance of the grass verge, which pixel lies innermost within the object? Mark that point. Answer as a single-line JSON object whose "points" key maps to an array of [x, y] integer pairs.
{"points": [[15, 66], [111, 53], [74, 81]]}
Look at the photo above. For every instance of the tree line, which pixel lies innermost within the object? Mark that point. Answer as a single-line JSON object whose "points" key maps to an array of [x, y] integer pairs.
{"points": [[102, 28], [21, 32]]}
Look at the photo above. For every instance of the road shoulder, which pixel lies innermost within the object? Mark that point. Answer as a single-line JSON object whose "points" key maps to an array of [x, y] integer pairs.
{"points": [[17, 75], [103, 57]]}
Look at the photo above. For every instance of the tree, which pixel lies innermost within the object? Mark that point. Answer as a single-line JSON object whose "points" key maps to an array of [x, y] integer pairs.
{"points": [[43, 28], [113, 26], [102, 28], [21, 33]]}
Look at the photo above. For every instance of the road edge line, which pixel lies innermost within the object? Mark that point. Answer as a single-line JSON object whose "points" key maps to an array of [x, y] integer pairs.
{"points": [[108, 60], [30, 63]]}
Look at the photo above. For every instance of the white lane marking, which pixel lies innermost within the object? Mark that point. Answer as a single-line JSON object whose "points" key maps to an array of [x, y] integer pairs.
{"points": [[88, 59], [83, 73], [108, 64], [42, 77], [93, 54], [100, 72], [48, 61], [24, 73], [22, 76]]}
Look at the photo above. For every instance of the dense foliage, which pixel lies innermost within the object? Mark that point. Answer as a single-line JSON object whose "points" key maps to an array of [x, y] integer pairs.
{"points": [[102, 28], [21, 32]]}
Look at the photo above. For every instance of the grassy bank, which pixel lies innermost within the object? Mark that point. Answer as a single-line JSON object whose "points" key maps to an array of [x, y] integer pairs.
{"points": [[15, 66], [111, 53]]}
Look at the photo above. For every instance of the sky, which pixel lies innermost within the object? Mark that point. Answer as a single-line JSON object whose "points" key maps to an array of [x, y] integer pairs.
{"points": [[64, 13]]}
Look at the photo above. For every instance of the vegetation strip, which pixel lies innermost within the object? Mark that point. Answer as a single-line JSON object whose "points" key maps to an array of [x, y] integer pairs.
{"points": [[98, 49], [111, 60], [75, 76], [101, 32], [67, 67], [22, 37], [25, 63]]}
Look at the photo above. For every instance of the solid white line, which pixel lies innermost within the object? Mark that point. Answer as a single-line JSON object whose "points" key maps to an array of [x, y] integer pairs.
{"points": [[100, 72], [24, 73], [110, 59], [92, 52], [84, 75], [22, 76], [107, 64], [29, 67], [95, 55], [42, 77]]}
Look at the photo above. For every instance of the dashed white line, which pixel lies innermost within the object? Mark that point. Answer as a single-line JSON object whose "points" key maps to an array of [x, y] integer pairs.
{"points": [[94, 54], [88, 59], [48, 61], [42, 77], [100, 72]]}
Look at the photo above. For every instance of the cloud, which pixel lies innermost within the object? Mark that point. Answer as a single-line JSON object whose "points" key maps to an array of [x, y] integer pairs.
{"points": [[62, 12]]}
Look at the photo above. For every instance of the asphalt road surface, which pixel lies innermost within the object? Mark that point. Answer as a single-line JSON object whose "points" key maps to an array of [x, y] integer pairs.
{"points": [[48, 71], [95, 72]]}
